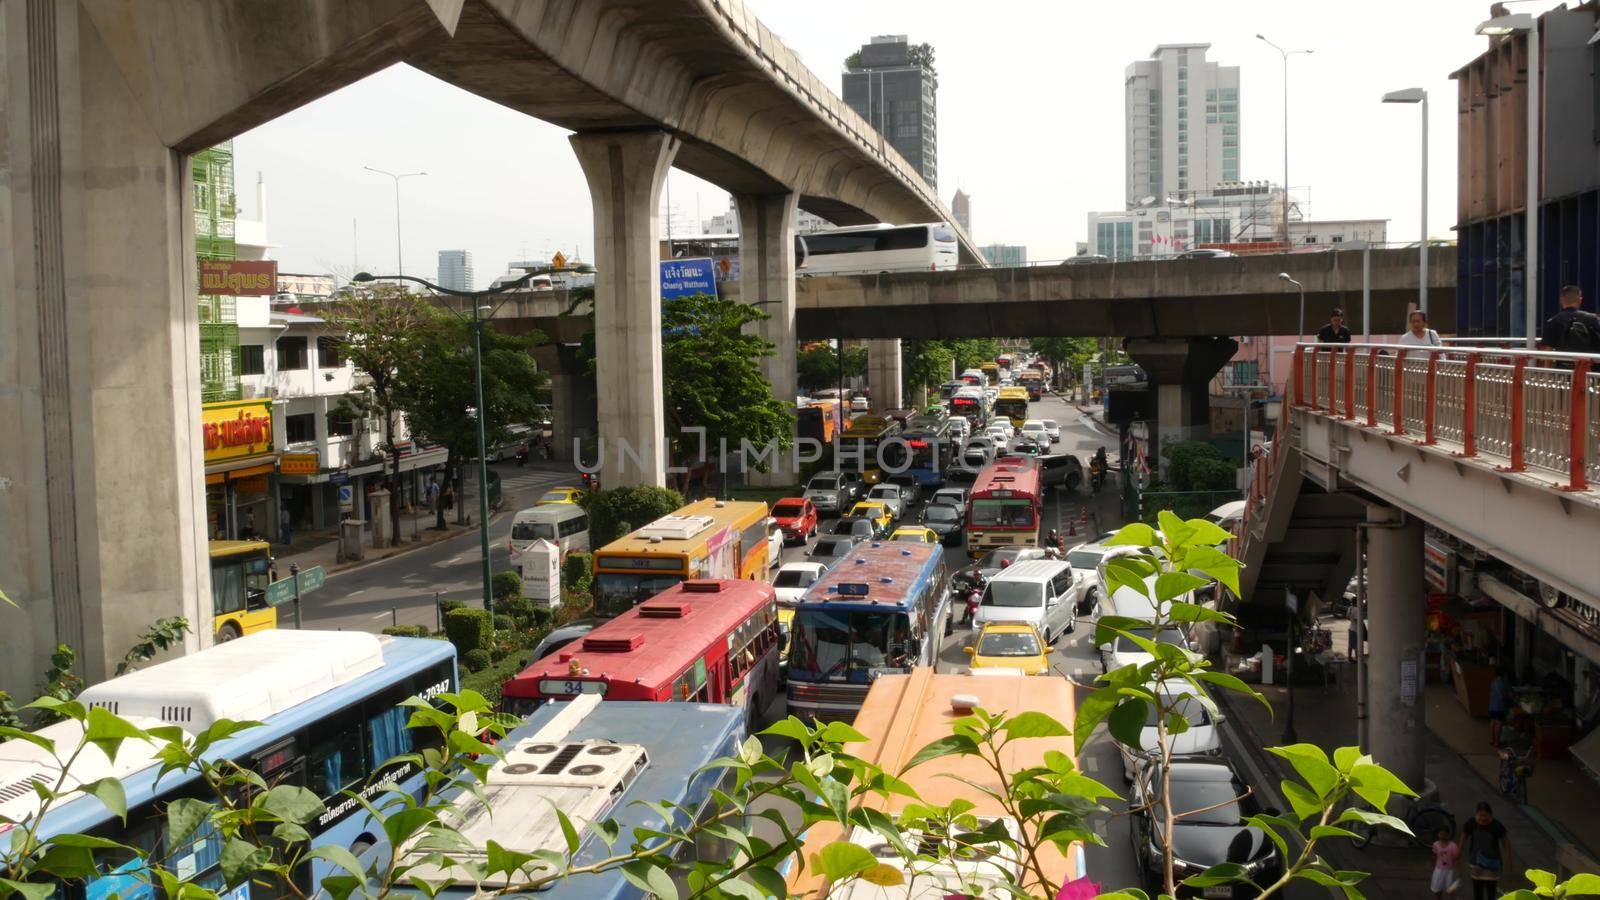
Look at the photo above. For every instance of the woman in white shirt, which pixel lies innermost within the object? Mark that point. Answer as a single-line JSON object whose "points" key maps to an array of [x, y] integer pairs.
{"points": [[1419, 334]]}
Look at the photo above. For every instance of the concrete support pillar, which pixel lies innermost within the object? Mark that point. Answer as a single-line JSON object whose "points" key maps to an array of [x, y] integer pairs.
{"points": [[572, 398], [883, 374], [1180, 371], [102, 490], [1396, 630], [766, 276], [626, 171]]}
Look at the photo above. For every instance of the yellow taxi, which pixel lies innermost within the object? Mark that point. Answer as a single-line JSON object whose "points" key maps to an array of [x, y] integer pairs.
{"points": [[916, 534], [877, 512], [561, 495], [1010, 645]]}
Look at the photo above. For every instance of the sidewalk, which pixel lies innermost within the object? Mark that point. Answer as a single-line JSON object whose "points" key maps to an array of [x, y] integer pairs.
{"points": [[1561, 802]]}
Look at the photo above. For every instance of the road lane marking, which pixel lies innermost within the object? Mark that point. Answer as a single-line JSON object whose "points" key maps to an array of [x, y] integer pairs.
{"points": [[355, 592]]}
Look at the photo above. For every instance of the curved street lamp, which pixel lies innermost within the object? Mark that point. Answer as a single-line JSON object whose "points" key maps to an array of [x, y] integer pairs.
{"points": [[477, 375]]}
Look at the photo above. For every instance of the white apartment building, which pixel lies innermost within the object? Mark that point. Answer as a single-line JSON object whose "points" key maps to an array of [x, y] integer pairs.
{"points": [[1234, 213], [1181, 123]]}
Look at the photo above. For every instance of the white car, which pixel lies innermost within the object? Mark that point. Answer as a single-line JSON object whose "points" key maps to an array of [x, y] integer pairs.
{"points": [[1200, 739], [950, 496], [1052, 428], [1035, 430], [860, 405], [1121, 651], [774, 543], [792, 580], [889, 495], [1002, 429], [1227, 515]]}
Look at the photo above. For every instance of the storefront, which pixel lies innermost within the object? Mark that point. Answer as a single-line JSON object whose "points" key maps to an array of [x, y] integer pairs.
{"points": [[237, 437]]}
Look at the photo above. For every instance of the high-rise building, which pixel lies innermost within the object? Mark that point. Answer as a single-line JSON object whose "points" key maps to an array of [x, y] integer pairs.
{"points": [[892, 85], [1005, 254], [455, 270], [1182, 124], [961, 210]]}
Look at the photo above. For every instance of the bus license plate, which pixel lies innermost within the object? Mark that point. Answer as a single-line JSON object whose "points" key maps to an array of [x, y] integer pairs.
{"points": [[551, 687]]}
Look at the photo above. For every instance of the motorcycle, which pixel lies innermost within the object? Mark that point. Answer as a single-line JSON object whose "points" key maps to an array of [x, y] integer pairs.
{"points": [[1097, 476], [974, 597]]}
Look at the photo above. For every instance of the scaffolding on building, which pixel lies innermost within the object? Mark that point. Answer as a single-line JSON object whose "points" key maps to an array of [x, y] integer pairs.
{"points": [[215, 208]]}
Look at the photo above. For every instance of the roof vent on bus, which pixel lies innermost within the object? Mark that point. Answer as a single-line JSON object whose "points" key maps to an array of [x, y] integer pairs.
{"points": [[622, 643], [702, 586], [862, 560], [678, 528], [884, 579], [663, 611]]}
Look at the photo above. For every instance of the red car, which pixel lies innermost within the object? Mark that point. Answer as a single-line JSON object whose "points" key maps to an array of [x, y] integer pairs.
{"points": [[797, 516]]}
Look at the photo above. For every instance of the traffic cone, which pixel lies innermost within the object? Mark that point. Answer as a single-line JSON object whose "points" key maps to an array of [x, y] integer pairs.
{"points": [[1072, 529], [1083, 515]]}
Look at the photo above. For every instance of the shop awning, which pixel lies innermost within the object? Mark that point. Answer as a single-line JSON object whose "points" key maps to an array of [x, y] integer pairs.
{"points": [[235, 469]]}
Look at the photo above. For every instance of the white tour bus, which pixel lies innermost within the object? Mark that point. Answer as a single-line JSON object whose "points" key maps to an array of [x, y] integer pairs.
{"points": [[880, 248]]}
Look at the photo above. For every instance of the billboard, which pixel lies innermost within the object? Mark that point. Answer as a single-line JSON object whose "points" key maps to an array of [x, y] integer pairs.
{"points": [[687, 277], [236, 429], [238, 278]]}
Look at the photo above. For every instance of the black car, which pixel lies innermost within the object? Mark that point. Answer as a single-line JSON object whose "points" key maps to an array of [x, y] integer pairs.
{"points": [[1201, 840], [945, 521], [829, 550], [910, 489], [862, 528], [993, 562], [560, 637]]}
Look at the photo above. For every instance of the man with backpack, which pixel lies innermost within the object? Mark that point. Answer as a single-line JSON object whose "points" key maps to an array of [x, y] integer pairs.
{"points": [[1573, 329]]}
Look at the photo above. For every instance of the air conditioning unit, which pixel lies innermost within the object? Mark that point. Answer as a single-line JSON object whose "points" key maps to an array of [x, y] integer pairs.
{"points": [[677, 528]]}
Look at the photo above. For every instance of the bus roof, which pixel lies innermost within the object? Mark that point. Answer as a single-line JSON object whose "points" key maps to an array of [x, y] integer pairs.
{"points": [[1017, 474], [652, 643], [22, 763], [882, 573], [688, 527], [869, 426], [667, 747], [1012, 392], [234, 548], [254, 677]]}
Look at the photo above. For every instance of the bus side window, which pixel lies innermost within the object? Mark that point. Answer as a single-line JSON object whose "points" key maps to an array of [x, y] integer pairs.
{"points": [[335, 761]]}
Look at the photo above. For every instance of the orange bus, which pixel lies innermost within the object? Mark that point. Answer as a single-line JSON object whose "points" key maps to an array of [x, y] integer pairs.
{"points": [[904, 713], [707, 539], [1003, 508], [710, 641], [820, 420]]}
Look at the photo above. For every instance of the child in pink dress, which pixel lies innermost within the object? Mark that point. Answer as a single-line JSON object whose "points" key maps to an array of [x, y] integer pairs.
{"points": [[1445, 853]]}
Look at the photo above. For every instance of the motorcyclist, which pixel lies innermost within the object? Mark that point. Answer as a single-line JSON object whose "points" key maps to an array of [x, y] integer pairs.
{"points": [[1100, 460]]}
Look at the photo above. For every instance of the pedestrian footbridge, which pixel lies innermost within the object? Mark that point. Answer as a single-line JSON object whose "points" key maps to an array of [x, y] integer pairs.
{"points": [[1500, 448]]}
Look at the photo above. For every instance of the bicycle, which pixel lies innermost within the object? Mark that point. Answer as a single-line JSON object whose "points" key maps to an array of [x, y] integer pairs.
{"points": [[1516, 766], [1425, 821]]}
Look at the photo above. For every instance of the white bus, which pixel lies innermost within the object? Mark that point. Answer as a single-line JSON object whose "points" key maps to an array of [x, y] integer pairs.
{"points": [[880, 248]]}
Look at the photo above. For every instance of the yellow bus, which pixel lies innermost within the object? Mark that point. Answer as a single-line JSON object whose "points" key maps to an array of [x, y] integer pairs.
{"points": [[991, 372], [1013, 404], [240, 573], [707, 539], [862, 446], [904, 713]]}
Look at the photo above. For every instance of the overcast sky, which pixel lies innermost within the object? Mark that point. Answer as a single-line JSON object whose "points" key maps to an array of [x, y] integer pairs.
{"points": [[1030, 124]]}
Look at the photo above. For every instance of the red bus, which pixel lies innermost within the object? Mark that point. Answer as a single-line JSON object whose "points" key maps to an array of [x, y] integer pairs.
{"points": [[705, 641], [1003, 509]]}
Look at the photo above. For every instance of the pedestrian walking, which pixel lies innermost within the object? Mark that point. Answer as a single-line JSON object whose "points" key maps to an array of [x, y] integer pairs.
{"points": [[249, 532], [1499, 705], [285, 525], [1488, 851], [430, 493], [1334, 332], [1418, 334], [1445, 853], [448, 498], [1573, 329]]}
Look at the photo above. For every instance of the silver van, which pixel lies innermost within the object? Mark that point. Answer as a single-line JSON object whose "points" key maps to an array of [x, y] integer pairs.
{"points": [[563, 524]]}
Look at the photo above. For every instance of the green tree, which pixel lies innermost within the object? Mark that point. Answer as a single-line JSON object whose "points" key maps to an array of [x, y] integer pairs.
{"points": [[1064, 353], [711, 370], [378, 325], [818, 367], [614, 513], [438, 392], [972, 353], [924, 364]]}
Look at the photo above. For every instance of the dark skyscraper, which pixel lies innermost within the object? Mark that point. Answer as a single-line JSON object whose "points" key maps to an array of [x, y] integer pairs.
{"points": [[891, 84]]}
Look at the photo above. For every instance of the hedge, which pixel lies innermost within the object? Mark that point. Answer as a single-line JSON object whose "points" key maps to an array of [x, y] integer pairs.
{"points": [[469, 629], [477, 660], [418, 631], [577, 572], [505, 585]]}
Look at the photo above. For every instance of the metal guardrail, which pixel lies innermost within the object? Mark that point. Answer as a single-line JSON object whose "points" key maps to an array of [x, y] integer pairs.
{"points": [[1525, 410]]}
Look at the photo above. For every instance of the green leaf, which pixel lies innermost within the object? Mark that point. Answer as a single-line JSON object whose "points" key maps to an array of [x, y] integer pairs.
{"points": [[70, 709], [403, 823], [837, 797], [1134, 534], [107, 731], [1312, 765], [650, 879], [841, 733], [768, 880], [292, 803], [1542, 880], [1092, 710], [1304, 803], [241, 859], [1373, 783], [841, 859], [567, 831], [17, 734], [1318, 832], [791, 728], [1213, 562], [1269, 825], [1172, 585], [1583, 884], [29, 890], [1372, 819], [949, 745], [63, 861], [1127, 721], [1173, 529], [184, 815], [1222, 873], [1180, 611], [290, 833], [1202, 533], [1033, 725], [1347, 758], [109, 791], [1230, 683]]}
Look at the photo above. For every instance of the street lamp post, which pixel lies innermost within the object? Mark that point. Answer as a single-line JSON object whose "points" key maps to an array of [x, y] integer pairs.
{"points": [[1285, 54], [1418, 95], [399, 254], [477, 376], [1285, 277], [1514, 24]]}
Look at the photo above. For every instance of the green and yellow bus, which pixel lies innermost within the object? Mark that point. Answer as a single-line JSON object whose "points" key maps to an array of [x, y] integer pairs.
{"points": [[1013, 404], [240, 573]]}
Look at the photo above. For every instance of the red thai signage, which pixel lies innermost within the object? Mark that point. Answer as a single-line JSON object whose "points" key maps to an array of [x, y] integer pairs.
{"points": [[239, 278], [236, 429]]}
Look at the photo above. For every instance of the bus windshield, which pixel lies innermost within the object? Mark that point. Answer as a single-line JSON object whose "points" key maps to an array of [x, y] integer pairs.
{"points": [[617, 592], [1011, 409], [1003, 513], [848, 645]]}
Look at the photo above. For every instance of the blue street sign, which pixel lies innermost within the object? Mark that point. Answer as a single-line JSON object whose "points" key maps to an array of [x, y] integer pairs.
{"points": [[687, 277]]}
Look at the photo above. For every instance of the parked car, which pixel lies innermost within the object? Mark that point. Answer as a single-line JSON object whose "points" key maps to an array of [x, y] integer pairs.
{"points": [[793, 578], [1063, 469], [1200, 738], [1085, 560], [797, 516], [890, 496], [944, 520], [910, 489], [1227, 515], [862, 528], [1122, 651], [829, 550], [1214, 802], [1010, 645]]}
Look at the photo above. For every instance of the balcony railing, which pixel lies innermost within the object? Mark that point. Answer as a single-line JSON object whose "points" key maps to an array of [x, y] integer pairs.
{"points": [[1523, 410]]}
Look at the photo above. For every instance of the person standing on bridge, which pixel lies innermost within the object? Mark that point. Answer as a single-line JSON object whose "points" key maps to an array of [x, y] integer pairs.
{"points": [[1418, 333], [1573, 329], [1335, 331]]}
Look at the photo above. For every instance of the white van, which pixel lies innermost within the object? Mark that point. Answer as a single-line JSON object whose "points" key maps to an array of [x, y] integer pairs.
{"points": [[564, 524], [1040, 592]]}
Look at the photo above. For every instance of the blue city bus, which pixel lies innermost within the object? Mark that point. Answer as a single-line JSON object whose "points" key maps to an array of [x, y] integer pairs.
{"points": [[932, 447], [595, 761], [880, 610], [329, 707]]}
